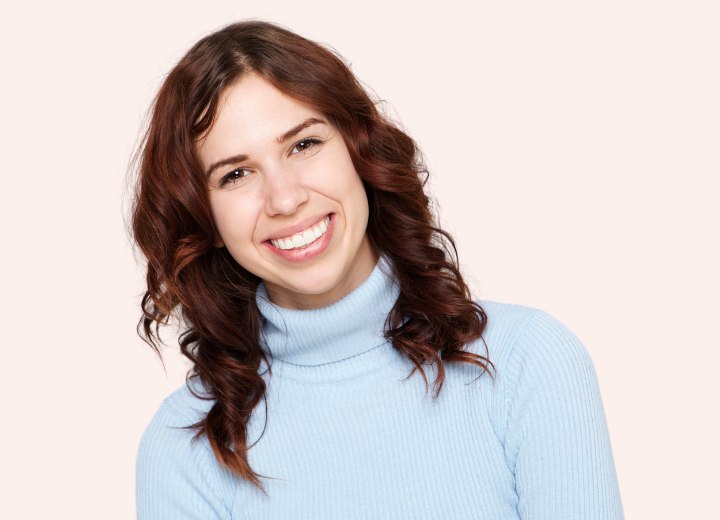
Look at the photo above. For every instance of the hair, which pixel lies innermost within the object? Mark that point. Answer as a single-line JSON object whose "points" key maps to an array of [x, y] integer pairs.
{"points": [[434, 317]]}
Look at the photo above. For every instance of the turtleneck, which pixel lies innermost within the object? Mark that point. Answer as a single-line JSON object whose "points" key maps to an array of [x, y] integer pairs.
{"points": [[344, 329], [345, 433]]}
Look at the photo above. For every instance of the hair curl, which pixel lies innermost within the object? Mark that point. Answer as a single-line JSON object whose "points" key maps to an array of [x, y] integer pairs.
{"points": [[434, 316]]}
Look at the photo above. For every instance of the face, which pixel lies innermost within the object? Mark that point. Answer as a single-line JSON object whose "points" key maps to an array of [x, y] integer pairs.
{"points": [[285, 197]]}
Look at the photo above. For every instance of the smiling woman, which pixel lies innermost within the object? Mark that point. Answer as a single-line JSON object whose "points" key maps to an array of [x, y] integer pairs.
{"points": [[283, 219], [286, 191]]}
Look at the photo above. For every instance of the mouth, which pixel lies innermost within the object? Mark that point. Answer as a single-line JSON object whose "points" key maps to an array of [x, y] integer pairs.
{"points": [[304, 238], [304, 246]]}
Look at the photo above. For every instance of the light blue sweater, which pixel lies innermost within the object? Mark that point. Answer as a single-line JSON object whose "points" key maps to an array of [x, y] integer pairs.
{"points": [[348, 438]]}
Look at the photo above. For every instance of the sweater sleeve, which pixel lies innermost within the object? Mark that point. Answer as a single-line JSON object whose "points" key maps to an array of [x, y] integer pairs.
{"points": [[176, 477], [557, 439]]}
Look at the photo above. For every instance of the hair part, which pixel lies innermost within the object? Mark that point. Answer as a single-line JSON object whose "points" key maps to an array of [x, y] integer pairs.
{"points": [[433, 318]]}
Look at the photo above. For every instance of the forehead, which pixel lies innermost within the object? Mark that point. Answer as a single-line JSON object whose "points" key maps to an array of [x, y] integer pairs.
{"points": [[251, 113]]}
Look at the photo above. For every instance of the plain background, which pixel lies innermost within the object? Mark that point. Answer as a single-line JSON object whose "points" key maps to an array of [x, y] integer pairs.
{"points": [[573, 151]]}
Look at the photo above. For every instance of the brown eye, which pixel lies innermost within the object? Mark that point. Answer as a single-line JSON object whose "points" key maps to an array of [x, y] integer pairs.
{"points": [[234, 176], [304, 145]]}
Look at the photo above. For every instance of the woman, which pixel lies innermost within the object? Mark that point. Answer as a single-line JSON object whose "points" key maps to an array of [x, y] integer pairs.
{"points": [[284, 219]]}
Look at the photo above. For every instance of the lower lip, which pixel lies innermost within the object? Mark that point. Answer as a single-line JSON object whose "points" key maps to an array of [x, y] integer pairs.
{"points": [[307, 253]]}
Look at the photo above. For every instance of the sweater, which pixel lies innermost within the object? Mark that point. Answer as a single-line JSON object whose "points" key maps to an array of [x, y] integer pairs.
{"points": [[349, 435]]}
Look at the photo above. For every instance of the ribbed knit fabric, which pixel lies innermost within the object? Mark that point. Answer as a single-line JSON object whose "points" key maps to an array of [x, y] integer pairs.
{"points": [[348, 437]]}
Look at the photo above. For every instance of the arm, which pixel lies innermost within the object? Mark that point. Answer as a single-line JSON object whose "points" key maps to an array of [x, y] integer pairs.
{"points": [[557, 439], [176, 478]]}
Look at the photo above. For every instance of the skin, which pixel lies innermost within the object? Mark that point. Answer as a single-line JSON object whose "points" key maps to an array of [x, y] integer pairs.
{"points": [[281, 184]]}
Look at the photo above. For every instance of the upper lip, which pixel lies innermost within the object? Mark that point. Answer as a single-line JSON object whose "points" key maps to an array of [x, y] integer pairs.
{"points": [[297, 227]]}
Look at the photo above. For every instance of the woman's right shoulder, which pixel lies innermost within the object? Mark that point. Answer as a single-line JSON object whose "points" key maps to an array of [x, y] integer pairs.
{"points": [[177, 475], [191, 401], [169, 425], [169, 428]]}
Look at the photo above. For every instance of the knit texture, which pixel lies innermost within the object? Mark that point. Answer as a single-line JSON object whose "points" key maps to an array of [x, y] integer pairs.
{"points": [[349, 436]]}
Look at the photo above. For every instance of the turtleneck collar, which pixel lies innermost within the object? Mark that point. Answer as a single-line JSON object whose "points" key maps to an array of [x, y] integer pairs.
{"points": [[352, 325]]}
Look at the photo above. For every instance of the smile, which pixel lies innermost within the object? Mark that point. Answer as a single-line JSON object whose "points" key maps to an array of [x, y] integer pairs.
{"points": [[303, 238]]}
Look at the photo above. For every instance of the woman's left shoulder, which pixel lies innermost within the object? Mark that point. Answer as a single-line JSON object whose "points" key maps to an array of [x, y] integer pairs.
{"points": [[517, 334], [549, 416]]}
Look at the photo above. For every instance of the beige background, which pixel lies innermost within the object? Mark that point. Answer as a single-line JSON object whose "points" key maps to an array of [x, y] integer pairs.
{"points": [[573, 148]]}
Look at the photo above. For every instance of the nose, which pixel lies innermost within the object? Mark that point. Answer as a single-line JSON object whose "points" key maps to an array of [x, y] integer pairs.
{"points": [[283, 192]]}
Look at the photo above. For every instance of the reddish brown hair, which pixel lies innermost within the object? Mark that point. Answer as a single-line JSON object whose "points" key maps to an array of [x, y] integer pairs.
{"points": [[434, 316]]}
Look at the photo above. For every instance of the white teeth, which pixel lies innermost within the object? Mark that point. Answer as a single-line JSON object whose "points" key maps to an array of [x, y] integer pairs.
{"points": [[309, 236], [304, 237]]}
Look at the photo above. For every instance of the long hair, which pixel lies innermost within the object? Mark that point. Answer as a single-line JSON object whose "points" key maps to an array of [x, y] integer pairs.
{"points": [[434, 316]]}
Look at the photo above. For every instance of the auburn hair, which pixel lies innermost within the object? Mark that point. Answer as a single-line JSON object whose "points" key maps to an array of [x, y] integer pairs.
{"points": [[190, 279]]}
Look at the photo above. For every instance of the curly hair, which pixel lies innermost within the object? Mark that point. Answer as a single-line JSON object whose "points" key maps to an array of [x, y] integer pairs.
{"points": [[434, 317]]}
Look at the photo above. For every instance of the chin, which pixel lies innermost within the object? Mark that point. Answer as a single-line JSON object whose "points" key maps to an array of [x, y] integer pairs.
{"points": [[316, 285]]}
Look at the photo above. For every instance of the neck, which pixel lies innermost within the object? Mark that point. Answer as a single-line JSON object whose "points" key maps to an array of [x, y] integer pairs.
{"points": [[352, 325], [354, 275]]}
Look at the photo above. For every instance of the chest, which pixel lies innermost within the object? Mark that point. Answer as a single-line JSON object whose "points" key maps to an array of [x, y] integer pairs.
{"points": [[381, 450]]}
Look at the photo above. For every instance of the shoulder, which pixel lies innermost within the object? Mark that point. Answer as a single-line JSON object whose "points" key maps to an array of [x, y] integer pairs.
{"points": [[535, 356], [168, 430], [191, 401], [176, 470], [548, 415], [516, 334]]}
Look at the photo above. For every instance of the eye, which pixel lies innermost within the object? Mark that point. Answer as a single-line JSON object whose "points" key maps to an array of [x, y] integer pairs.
{"points": [[234, 176], [304, 145]]}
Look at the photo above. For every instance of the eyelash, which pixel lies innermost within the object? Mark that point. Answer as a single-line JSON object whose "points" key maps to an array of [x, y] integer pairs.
{"points": [[314, 141]]}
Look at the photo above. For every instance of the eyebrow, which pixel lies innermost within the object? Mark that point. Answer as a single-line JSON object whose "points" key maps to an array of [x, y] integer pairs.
{"points": [[280, 140]]}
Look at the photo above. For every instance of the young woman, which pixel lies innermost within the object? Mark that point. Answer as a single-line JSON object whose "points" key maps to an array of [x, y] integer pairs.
{"points": [[284, 221]]}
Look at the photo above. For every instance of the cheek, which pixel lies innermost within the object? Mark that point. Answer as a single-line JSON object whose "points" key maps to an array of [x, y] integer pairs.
{"points": [[360, 204], [353, 199], [338, 177], [232, 218]]}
